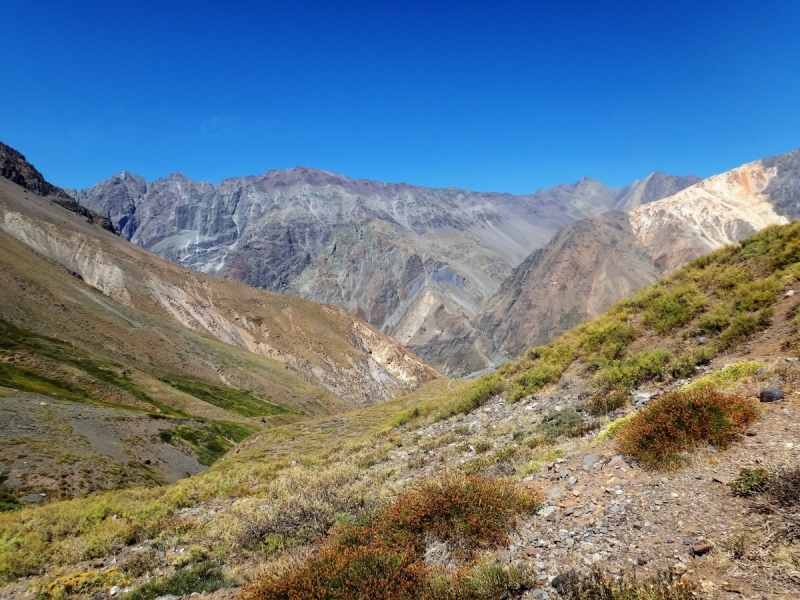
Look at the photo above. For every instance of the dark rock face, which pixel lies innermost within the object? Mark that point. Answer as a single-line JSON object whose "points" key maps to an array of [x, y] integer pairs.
{"points": [[784, 188], [15, 168]]}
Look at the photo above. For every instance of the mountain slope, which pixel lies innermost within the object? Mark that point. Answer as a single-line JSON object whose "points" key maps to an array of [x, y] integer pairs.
{"points": [[293, 230], [594, 263], [528, 424], [585, 268], [16, 169], [94, 320]]}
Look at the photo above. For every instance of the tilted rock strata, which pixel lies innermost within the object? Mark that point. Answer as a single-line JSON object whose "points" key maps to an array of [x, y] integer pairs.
{"points": [[324, 346]]}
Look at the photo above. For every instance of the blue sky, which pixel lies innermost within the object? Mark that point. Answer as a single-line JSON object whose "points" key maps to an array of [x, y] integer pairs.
{"points": [[505, 96]]}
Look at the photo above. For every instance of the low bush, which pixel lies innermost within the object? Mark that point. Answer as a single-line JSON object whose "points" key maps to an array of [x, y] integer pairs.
{"points": [[783, 489], [86, 583], [384, 558], [681, 421], [750, 481], [604, 402], [725, 377], [672, 309], [685, 364], [637, 368], [201, 578], [743, 326], [475, 395], [556, 423]]}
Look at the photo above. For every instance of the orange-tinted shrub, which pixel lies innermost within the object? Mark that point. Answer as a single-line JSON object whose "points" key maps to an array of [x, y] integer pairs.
{"points": [[680, 422], [383, 559]]}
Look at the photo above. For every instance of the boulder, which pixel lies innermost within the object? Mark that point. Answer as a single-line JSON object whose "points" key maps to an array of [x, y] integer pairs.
{"points": [[770, 395]]}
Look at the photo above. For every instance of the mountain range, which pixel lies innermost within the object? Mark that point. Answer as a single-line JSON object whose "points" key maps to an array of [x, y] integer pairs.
{"points": [[417, 263]]}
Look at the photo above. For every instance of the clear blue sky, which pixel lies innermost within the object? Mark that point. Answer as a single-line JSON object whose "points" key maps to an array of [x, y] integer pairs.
{"points": [[506, 96]]}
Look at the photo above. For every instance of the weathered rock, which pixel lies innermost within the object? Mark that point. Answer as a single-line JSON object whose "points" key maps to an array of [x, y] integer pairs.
{"points": [[701, 548], [770, 395]]}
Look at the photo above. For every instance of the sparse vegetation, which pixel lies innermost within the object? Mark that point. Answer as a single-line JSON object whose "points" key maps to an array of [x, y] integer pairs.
{"points": [[635, 369], [680, 421], [240, 402], [750, 481], [209, 440], [725, 377], [201, 578], [607, 401], [670, 309]]}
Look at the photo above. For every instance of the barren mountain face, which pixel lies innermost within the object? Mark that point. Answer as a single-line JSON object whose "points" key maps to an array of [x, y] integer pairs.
{"points": [[417, 263]]}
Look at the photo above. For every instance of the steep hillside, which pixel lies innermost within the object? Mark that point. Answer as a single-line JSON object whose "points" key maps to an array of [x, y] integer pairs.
{"points": [[100, 339], [653, 187], [418, 263], [584, 269], [651, 240], [545, 435]]}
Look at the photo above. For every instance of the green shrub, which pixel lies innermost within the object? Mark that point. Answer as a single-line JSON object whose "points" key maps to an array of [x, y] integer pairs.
{"points": [[685, 365], [681, 421], [755, 295], [406, 416], [604, 402], [672, 309], [475, 395], [750, 481], [627, 374], [201, 578], [716, 320], [744, 326], [725, 377]]}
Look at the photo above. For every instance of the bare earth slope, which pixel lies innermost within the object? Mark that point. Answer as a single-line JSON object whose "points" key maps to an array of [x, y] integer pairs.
{"points": [[418, 263], [323, 345]]}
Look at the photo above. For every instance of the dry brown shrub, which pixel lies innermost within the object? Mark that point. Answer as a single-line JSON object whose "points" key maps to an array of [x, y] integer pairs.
{"points": [[604, 402], [680, 422], [384, 558]]}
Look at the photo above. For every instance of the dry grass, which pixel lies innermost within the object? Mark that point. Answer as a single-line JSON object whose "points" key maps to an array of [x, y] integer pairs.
{"points": [[598, 586], [680, 422]]}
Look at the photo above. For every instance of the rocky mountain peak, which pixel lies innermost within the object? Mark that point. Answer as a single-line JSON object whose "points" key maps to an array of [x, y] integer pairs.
{"points": [[15, 167]]}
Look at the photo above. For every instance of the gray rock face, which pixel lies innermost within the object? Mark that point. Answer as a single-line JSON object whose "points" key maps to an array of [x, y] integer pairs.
{"points": [[416, 262], [783, 189], [652, 188]]}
